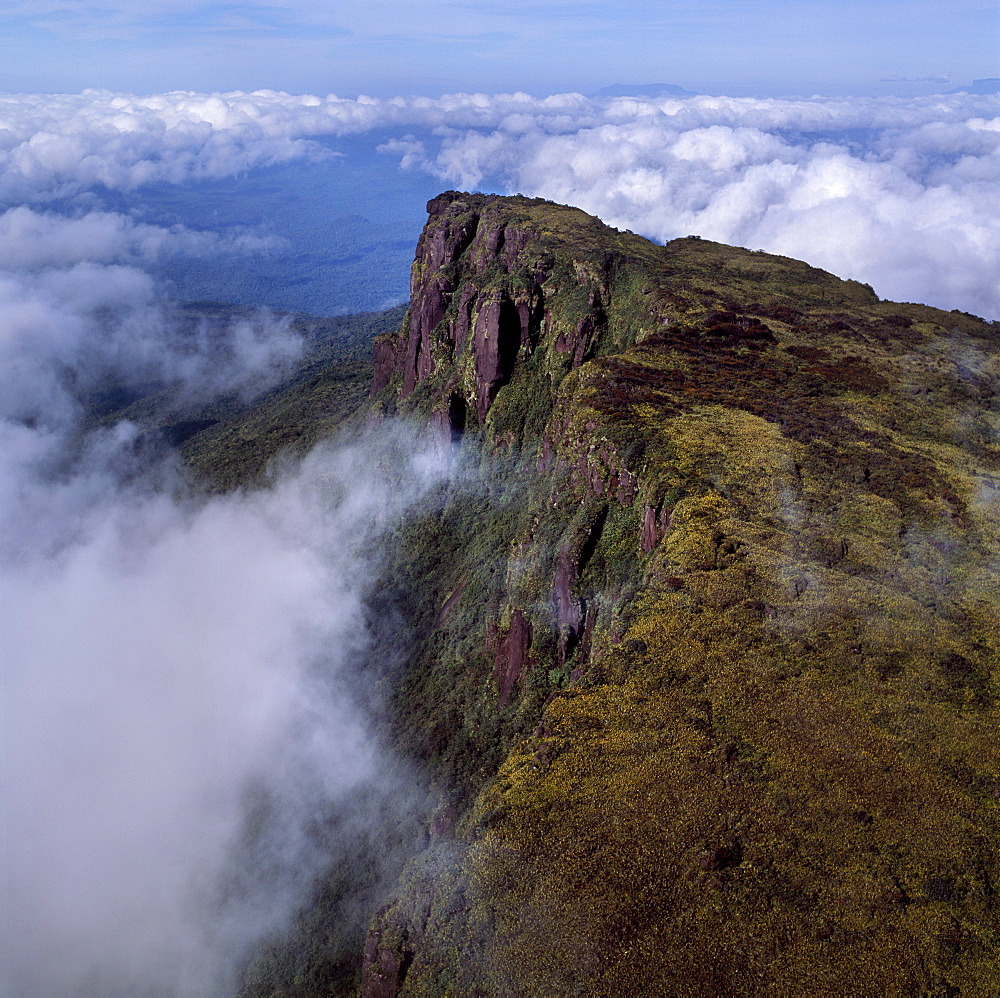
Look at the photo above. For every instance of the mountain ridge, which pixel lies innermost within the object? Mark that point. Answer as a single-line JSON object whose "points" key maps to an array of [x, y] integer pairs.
{"points": [[698, 643], [704, 678]]}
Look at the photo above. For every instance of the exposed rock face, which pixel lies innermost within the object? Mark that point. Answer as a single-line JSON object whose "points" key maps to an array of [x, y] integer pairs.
{"points": [[384, 969], [512, 656], [574, 620], [497, 340], [384, 358], [569, 612], [495, 314], [650, 530], [655, 524]]}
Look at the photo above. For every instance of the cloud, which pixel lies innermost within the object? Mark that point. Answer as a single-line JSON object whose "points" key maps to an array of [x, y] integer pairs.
{"points": [[55, 146], [940, 78], [899, 193], [31, 239], [178, 671], [74, 322], [175, 665]]}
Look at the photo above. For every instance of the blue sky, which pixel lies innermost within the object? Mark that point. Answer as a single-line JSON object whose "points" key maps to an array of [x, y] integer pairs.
{"points": [[384, 47]]}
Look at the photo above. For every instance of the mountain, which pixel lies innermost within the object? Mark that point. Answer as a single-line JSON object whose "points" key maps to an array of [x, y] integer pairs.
{"points": [[710, 672], [701, 641], [644, 90], [990, 85]]}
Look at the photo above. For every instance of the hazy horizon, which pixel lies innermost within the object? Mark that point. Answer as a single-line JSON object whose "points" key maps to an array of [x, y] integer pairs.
{"points": [[771, 48]]}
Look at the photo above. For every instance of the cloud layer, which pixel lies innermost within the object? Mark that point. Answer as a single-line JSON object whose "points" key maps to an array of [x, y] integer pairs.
{"points": [[901, 194], [169, 662], [172, 668], [79, 312]]}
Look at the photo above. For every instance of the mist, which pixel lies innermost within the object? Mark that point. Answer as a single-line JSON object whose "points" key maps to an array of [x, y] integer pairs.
{"points": [[186, 688], [172, 658]]}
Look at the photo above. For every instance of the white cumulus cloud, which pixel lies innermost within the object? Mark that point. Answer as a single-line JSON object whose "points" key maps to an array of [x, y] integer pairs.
{"points": [[174, 664], [169, 661], [899, 193], [904, 195]]}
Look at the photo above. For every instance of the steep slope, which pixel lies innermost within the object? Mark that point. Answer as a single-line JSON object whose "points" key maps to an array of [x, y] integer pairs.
{"points": [[324, 393], [704, 662], [228, 440]]}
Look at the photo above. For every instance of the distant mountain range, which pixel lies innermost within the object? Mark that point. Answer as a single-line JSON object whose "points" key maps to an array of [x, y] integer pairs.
{"points": [[988, 85], [644, 90]]}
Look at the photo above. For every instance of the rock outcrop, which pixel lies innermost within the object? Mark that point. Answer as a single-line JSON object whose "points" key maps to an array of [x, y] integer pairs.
{"points": [[482, 291]]}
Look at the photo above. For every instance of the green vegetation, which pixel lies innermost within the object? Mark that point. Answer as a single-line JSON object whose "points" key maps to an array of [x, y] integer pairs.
{"points": [[322, 396], [766, 763], [229, 442]]}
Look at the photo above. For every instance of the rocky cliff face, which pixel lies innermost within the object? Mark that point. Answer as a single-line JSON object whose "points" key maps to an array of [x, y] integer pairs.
{"points": [[490, 321], [486, 290], [706, 662]]}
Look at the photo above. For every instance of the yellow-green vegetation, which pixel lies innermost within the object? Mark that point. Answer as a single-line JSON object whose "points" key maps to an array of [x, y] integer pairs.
{"points": [[785, 778], [762, 756], [786, 782]]}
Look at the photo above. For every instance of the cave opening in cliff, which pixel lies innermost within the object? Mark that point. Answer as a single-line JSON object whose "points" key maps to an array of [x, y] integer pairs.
{"points": [[457, 410], [593, 539], [508, 340]]}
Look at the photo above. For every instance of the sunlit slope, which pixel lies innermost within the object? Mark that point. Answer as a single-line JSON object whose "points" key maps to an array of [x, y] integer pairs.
{"points": [[706, 666]]}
